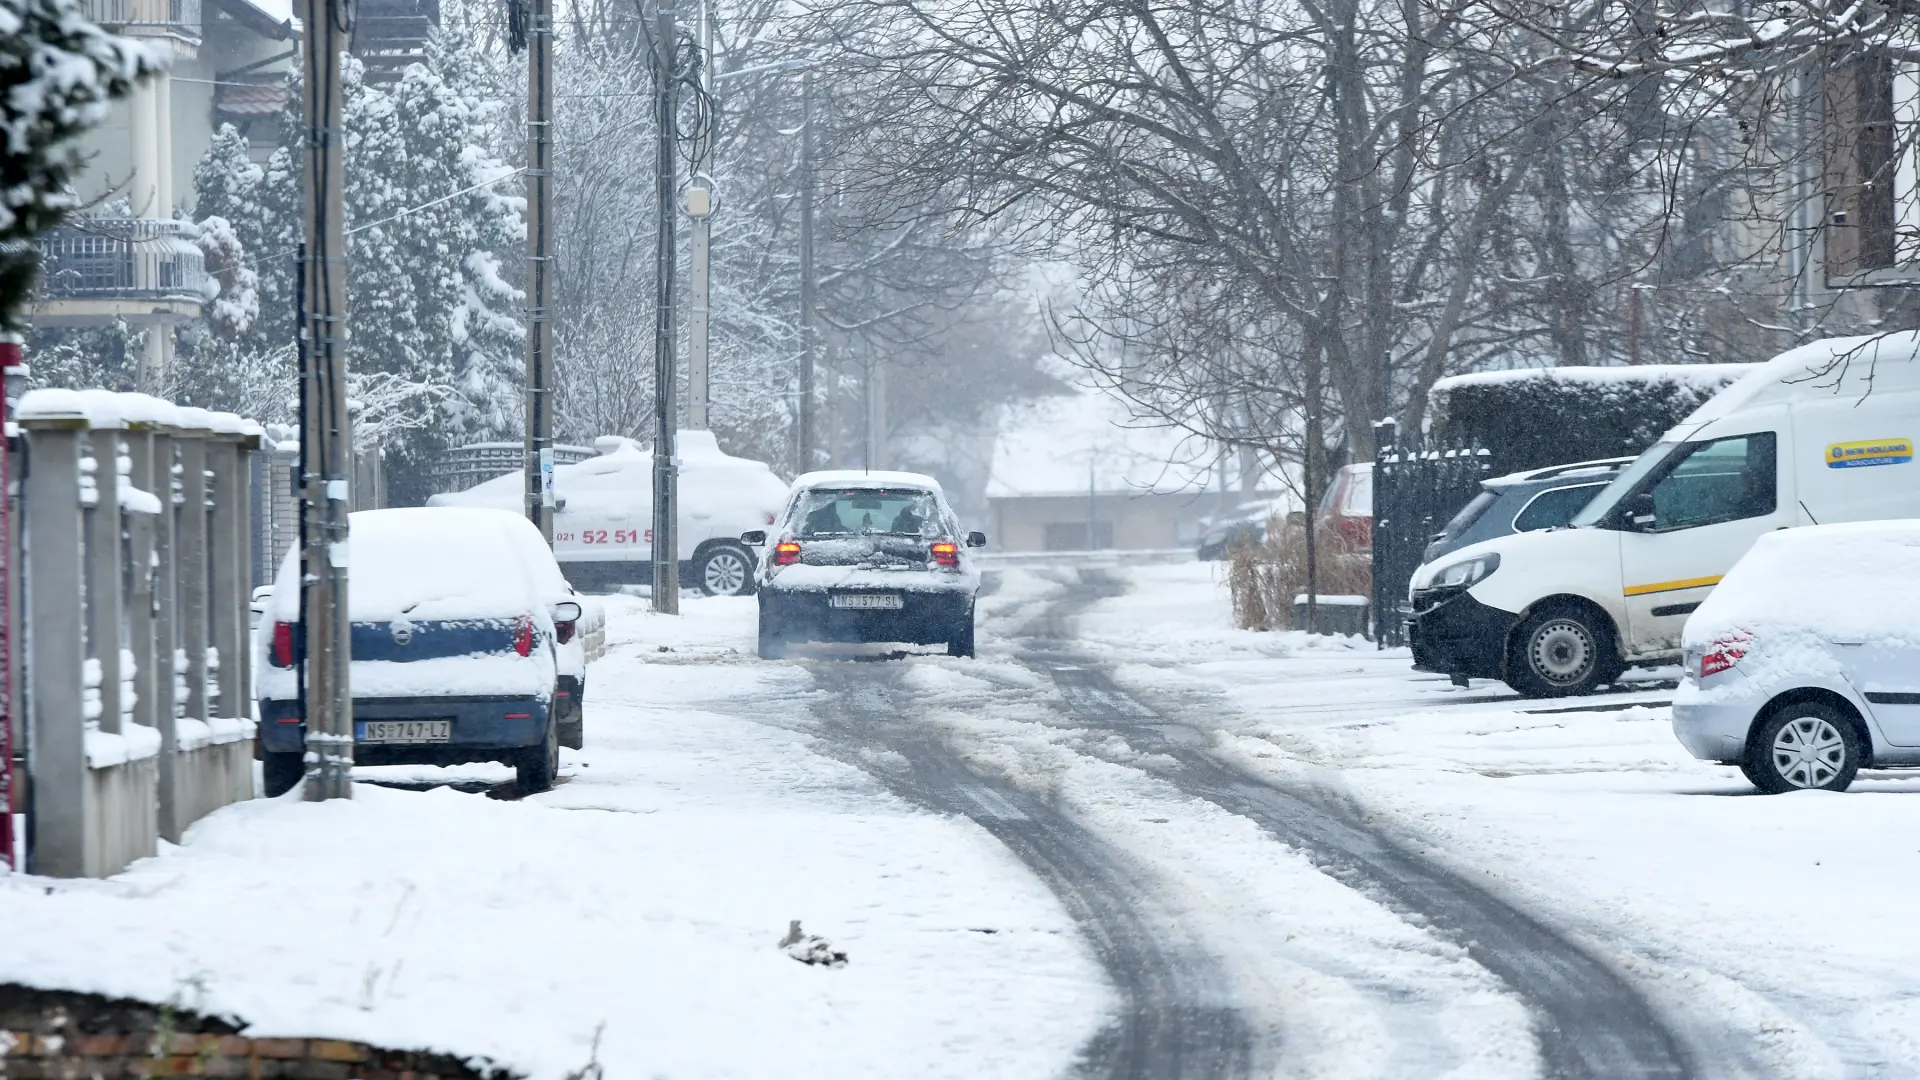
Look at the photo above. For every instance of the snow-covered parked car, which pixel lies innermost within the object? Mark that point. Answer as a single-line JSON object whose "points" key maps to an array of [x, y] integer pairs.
{"points": [[463, 648], [867, 556], [603, 514], [1804, 665]]}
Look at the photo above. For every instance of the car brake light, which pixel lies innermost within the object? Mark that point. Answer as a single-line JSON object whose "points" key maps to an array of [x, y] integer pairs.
{"points": [[786, 553], [946, 554], [282, 652], [1723, 654], [523, 637]]}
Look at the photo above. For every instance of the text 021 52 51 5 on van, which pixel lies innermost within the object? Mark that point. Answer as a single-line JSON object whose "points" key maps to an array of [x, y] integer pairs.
{"points": [[1565, 610]]}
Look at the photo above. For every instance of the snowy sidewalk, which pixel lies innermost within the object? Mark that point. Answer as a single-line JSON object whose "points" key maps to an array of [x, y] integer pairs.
{"points": [[643, 899]]}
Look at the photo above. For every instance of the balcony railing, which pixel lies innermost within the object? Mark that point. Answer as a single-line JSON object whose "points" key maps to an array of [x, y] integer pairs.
{"points": [[173, 16], [121, 259]]}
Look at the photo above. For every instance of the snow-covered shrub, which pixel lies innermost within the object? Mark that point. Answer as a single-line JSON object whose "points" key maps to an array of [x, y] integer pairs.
{"points": [[1538, 417], [58, 75]]}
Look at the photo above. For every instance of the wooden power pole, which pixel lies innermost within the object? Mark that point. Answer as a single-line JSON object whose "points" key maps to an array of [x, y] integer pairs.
{"points": [[325, 436]]}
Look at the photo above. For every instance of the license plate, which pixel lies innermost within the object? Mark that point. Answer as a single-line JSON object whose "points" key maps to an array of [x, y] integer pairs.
{"points": [[866, 601], [406, 731]]}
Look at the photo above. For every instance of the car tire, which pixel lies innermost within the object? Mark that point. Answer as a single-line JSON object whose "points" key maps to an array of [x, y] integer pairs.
{"points": [[961, 643], [282, 770], [535, 767], [773, 644], [573, 733], [1809, 745], [1561, 650], [725, 570]]}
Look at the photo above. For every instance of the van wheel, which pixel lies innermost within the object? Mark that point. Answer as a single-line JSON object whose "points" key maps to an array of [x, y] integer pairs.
{"points": [[536, 766], [1808, 745], [1560, 651], [725, 570], [282, 770]]}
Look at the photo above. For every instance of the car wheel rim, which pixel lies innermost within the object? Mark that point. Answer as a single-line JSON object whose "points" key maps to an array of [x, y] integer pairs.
{"points": [[725, 573], [1562, 652], [1809, 752]]}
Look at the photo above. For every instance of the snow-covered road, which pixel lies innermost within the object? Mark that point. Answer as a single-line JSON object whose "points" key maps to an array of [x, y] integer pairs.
{"points": [[1126, 841]]}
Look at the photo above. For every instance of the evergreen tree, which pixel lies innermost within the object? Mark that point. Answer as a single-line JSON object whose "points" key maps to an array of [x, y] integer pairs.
{"points": [[58, 74]]}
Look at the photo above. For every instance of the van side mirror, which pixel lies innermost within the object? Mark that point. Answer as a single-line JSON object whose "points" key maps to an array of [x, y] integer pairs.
{"points": [[976, 539], [754, 538], [1640, 511]]}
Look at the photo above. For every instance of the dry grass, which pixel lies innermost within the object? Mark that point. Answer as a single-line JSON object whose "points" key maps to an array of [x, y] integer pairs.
{"points": [[1265, 577]]}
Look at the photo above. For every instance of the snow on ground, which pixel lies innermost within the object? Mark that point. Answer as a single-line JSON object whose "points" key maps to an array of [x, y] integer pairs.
{"points": [[1781, 916], [642, 900]]}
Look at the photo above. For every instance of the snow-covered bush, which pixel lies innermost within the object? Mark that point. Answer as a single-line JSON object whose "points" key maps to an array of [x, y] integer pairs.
{"points": [[58, 75], [1533, 418]]}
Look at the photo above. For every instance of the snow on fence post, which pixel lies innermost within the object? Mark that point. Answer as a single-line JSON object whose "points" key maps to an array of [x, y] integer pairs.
{"points": [[114, 764]]}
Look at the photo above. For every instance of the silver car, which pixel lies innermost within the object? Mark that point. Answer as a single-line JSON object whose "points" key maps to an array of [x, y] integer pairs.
{"points": [[1803, 664], [866, 556]]}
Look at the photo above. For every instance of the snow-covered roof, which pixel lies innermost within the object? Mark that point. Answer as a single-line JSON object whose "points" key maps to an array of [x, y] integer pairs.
{"points": [[866, 478], [1064, 445]]}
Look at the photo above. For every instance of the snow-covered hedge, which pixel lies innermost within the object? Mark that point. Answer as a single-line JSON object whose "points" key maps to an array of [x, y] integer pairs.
{"points": [[1537, 417], [58, 74]]}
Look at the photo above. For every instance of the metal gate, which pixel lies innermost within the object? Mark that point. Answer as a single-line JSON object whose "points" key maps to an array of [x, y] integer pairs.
{"points": [[1416, 488]]}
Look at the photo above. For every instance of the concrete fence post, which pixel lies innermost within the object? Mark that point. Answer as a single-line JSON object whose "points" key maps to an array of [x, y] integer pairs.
{"points": [[168, 680], [147, 660], [191, 557], [57, 754], [100, 503], [227, 559]]}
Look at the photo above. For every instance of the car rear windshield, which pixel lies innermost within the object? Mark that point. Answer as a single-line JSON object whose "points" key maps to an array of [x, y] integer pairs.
{"points": [[863, 511]]}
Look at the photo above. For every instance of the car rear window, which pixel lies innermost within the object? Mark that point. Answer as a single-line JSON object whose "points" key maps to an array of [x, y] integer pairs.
{"points": [[1554, 507], [857, 511]]}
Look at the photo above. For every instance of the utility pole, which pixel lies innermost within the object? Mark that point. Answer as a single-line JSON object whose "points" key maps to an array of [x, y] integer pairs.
{"points": [[325, 437], [804, 457], [699, 207], [538, 461], [666, 541]]}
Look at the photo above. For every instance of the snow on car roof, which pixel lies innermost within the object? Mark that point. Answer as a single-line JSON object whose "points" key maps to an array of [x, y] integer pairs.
{"points": [[1599, 468], [878, 478], [1856, 581], [429, 563]]}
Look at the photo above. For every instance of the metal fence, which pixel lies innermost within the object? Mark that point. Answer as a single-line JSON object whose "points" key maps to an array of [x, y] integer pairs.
{"points": [[1416, 488], [464, 466], [134, 518], [122, 258]]}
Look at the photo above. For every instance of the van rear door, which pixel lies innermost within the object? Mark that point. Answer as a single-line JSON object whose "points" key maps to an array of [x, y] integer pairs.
{"points": [[1710, 501]]}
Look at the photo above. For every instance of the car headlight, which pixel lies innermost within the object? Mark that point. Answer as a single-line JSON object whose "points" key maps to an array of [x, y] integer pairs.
{"points": [[1467, 573]]}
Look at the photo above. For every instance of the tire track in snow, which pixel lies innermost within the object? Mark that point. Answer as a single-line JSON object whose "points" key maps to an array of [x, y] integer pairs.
{"points": [[1589, 1021], [1178, 1019]]}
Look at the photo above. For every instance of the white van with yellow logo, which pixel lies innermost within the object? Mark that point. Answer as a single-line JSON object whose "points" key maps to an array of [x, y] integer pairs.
{"points": [[1822, 434]]}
